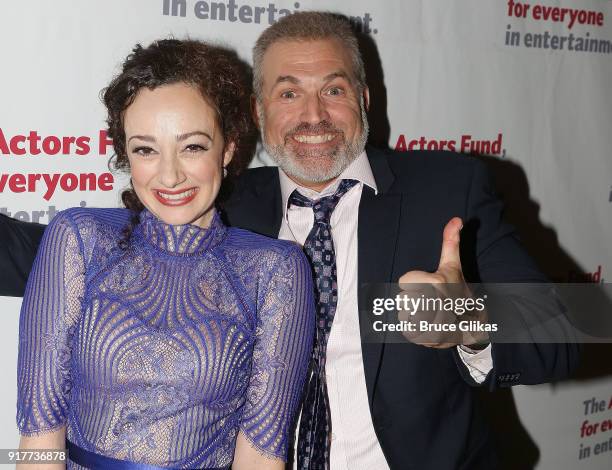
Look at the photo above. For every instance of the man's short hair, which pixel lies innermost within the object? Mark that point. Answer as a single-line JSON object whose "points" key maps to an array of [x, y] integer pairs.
{"points": [[309, 26]]}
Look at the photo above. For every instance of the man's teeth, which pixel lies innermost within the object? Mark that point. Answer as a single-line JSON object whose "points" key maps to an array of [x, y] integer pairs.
{"points": [[314, 139], [174, 197]]}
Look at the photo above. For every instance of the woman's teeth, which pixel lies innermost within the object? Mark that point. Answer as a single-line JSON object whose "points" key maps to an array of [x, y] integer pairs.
{"points": [[176, 197]]}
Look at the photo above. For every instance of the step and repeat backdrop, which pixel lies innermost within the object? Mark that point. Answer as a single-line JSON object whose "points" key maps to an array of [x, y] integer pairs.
{"points": [[526, 86]]}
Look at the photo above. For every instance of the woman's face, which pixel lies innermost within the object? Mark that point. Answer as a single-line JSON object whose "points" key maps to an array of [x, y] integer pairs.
{"points": [[176, 152]]}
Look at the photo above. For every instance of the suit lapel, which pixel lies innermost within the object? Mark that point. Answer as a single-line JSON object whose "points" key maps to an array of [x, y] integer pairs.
{"points": [[379, 216]]}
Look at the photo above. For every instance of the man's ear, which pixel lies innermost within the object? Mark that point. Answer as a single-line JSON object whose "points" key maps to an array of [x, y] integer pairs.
{"points": [[254, 111], [366, 98], [228, 153]]}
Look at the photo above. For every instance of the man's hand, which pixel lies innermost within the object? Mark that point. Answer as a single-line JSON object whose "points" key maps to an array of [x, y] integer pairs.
{"points": [[449, 272], [449, 268]]}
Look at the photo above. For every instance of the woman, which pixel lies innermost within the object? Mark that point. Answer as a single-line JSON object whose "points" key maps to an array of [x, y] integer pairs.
{"points": [[154, 334]]}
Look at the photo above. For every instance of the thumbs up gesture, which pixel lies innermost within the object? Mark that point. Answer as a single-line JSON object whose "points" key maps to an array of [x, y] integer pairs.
{"points": [[449, 267], [449, 272]]}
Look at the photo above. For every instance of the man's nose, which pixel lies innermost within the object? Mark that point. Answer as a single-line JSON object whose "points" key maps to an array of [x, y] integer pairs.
{"points": [[170, 171], [314, 110]]}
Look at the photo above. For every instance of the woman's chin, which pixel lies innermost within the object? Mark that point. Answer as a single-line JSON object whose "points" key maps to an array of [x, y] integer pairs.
{"points": [[181, 216]]}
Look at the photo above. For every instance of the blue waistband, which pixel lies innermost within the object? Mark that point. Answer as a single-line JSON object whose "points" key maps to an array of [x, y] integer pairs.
{"points": [[94, 461]]}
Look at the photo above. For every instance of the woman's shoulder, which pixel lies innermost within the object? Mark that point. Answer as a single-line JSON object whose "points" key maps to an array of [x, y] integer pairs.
{"points": [[79, 216], [90, 222], [250, 242]]}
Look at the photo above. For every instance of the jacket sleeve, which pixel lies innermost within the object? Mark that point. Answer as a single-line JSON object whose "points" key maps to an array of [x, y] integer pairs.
{"points": [[501, 259], [18, 245]]}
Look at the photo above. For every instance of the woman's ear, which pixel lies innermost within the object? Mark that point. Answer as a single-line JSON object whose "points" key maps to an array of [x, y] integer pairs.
{"points": [[228, 153]]}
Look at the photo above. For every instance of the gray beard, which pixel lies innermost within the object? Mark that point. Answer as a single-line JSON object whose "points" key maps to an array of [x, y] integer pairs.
{"points": [[343, 156]]}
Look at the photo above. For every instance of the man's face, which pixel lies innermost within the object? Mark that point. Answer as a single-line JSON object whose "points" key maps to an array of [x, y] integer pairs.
{"points": [[311, 115]]}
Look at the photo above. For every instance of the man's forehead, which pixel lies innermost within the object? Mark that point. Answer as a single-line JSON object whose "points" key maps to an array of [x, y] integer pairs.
{"points": [[308, 56]]}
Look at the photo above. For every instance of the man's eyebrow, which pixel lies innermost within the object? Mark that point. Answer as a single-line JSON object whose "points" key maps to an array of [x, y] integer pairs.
{"points": [[286, 78], [327, 78], [338, 74]]}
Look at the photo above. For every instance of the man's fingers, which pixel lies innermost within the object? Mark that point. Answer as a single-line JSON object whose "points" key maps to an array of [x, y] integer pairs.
{"points": [[449, 257], [419, 277]]}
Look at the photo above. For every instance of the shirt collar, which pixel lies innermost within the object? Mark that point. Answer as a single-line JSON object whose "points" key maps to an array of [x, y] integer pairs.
{"points": [[359, 170]]}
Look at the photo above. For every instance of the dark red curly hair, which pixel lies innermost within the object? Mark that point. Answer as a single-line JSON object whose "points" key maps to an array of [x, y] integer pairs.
{"points": [[221, 76]]}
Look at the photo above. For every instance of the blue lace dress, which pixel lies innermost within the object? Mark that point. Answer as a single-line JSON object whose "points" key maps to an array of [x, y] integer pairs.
{"points": [[161, 352]]}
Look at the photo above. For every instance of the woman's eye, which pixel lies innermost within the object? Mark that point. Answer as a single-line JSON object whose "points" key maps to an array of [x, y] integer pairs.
{"points": [[195, 148], [144, 151]]}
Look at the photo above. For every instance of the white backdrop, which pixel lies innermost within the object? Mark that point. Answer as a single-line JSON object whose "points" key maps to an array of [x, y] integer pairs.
{"points": [[525, 82]]}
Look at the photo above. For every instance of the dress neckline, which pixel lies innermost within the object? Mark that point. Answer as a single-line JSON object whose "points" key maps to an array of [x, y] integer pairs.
{"points": [[187, 239]]}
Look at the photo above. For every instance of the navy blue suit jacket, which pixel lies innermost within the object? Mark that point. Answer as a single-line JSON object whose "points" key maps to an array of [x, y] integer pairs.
{"points": [[421, 399]]}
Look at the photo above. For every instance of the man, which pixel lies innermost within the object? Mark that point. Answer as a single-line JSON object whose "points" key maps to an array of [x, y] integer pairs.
{"points": [[367, 216], [392, 405]]}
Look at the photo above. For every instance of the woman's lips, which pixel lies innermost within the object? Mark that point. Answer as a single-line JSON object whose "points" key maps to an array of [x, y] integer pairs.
{"points": [[175, 198]]}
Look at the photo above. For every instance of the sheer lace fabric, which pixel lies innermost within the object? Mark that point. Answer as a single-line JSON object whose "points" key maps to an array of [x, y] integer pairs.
{"points": [[162, 352]]}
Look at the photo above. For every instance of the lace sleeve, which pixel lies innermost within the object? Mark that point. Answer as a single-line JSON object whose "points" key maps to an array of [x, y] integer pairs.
{"points": [[281, 354], [50, 310]]}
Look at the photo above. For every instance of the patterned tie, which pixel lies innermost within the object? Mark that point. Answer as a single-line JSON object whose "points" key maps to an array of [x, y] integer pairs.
{"points": [[314, 437]]}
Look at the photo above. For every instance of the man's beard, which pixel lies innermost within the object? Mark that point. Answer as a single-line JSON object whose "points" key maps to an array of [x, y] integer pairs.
{"points": [[339, 158]]}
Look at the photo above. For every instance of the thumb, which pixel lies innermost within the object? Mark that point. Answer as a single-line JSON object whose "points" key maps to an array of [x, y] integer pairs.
{"points": [[449, 257]]}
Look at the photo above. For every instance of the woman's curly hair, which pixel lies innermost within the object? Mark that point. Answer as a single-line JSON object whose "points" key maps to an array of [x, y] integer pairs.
{"points": [[217, 72]]}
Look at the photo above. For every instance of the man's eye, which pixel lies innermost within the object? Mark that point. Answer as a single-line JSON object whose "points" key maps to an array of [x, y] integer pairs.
{"points": [[335, 91], [144, 151], [288, 94]]}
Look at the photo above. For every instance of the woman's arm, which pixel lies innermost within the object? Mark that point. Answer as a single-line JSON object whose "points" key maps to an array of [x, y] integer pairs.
{"points": [[247, 457], [50, 440], [281, 354], [50, 311]]}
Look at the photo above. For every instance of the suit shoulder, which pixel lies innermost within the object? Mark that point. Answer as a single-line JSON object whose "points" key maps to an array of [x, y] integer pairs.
{"points": [[255, 176], [431, 158], [429, 163], [18, 230]]}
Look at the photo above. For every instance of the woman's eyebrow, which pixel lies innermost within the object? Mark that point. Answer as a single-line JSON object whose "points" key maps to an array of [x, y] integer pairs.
{"points": [[181, 137]]}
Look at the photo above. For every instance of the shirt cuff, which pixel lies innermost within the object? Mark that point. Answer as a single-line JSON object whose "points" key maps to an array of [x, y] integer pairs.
{"points": [[478, 363]]}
